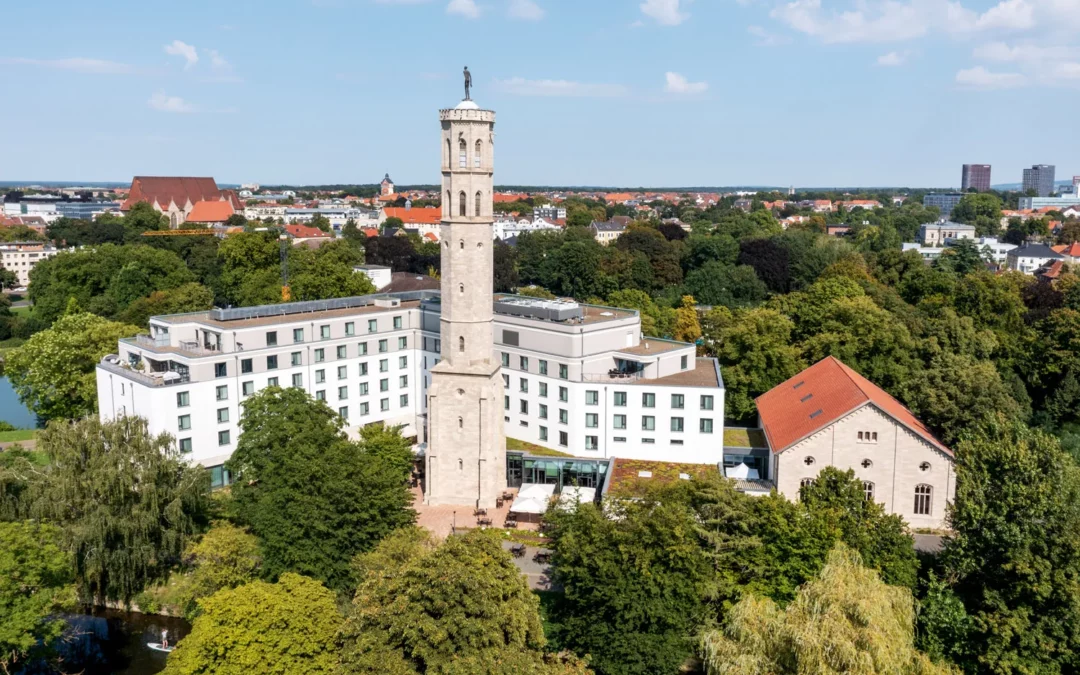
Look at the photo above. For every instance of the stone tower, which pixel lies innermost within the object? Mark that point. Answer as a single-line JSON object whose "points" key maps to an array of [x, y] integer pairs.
{"points": [[466, 453]]}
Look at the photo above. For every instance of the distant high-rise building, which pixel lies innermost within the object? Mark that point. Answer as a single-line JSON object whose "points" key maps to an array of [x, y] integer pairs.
{"points": [[944, 201], [1040, 178], [975, 176]]}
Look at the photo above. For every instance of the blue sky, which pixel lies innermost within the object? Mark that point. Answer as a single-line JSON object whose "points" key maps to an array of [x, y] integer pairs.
{"points": [[587, 92]]}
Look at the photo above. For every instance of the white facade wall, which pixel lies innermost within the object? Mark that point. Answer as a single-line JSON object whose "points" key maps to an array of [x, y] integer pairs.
{"points": [[21, 259]]}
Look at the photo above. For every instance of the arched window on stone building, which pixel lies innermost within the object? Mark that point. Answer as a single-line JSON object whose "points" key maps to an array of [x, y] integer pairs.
{"points": [[478, 198], [476, 154], [461, 204], [923, 499], [461, 343], [463, 160]]}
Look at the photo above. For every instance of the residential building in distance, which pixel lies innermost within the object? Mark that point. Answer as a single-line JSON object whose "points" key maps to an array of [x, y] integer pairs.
{"points": [[1063, 201], [1071, 252], [550, 212], [944, 201], [975, 176], [608, 231], [21, 256], [998, 251], [1030, 257], [426, 220], [829, 415], [943, 232], [507, 227], [1040, 178]]}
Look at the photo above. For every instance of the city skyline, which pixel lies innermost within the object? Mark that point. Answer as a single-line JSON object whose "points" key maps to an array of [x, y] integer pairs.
{"points": [[280, 95]]}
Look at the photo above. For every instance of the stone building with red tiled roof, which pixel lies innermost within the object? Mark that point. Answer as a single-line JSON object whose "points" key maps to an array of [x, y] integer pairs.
{"points": [[210, 213], [176, 196], [829, 415]]}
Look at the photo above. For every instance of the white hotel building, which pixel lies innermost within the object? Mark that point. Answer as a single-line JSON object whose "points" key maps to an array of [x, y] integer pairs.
{"points": [[579, 379]]}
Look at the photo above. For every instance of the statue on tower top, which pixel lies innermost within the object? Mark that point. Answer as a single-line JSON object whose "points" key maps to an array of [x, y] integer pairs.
{"points": [[468, 83]]}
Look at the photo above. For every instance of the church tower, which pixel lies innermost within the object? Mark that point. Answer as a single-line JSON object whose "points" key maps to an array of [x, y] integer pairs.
{"points": [[466, 453]]}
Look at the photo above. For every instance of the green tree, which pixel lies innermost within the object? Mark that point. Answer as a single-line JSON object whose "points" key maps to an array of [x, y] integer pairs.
{"points": [[191, 297], [962, 257], [633, 587], [393, 222], [8, 279], [461, 607], [313, 498], [250, 268], [654, 320], [226, 556], [35, 585], [845, 621], [719, 284], [126, 501], [140, 218], [282, 628], [982, 209], [53, 372], [687, 326], [320, 221]]}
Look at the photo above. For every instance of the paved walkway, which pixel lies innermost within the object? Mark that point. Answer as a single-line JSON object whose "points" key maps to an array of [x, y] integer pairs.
{"points": [[538, 576]]}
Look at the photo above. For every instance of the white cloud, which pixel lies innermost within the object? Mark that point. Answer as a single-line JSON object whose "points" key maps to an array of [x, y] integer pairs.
{"points": [[1023, 53], [217, 61], [892, 59], [664, 12], [172, 104], [76, 64], [677, 84], [466, 8], [178, 48], [522, 87], [1067, 71], [1008, 15], [981, 78], [526, 10], [765, 38]]}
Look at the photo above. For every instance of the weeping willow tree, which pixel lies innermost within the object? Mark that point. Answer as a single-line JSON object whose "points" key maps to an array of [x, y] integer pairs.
{"points": [[845, 621], [126, 502]]}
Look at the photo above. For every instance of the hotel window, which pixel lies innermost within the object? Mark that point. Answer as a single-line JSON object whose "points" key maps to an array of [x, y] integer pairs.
{"points": [[592, 397], [923, 499], [343, 411], [271, 382], [684, 361], [403, 362], [620, 399], [619, 439], [183, 400], [222, 415], [384, 384], [523, 385], [564, 371], [564, 394], [677, 401], [248, 388], [403, 400], [397, 322], [342, 352], [506, 381], [222, 392], [384, 404], [320, 376], [564, 416], [363, 388], [298, 380], [592, 420], [245, 366], [543, 367], [543, 433], [271, 338], [384, 365], [868, 490], [524, 407], [506, 402], [363, 348], [619, 421], [350, 328], [372, 326], [320, 395], [403, 381], [363, 369], [223, 437], [298, 335], [342, 372], [543, 411], [648, 423], [591, 443], [706, 402], [523, 361], [183, 422], [676, 424], [221, 370], [705, 426], [402, 343], [271, 362], [297, 358], [342, 393], [364, 409], [563, 438], [324, 332], [648, 441], [185, 445], [648, 400], [320, 355], [384, 345], [505, 360], [543, 389]]}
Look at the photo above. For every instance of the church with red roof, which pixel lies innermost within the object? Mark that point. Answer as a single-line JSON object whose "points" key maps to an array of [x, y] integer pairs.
{"points": [[177, 197]]}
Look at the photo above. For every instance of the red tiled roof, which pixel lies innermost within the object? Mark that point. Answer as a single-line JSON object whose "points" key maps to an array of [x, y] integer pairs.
{"points": [[1053, 270], [428, 215], [822, 394], [371, 231], [163, 189], [1072, 250], [210, 212], [430, 236], [506, 199], [305, 231]]}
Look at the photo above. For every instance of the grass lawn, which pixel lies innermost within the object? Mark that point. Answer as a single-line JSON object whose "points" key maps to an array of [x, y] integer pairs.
{"points": [[548, 600], [737, 437], [18, 435], [533, 449], [22, 311]]}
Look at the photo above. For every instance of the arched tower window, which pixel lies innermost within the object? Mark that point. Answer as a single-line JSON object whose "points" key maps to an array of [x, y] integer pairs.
{"points": [[448, 208], [461, 343], [463, 160], [477, 202], [461, 204], [461, 288], [461, 244], [449, 153], [476, 154]]}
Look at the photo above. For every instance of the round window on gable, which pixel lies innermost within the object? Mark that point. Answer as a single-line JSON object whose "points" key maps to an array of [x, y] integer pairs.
{"points": [[809, 461], [866, 464], [925, 466]]}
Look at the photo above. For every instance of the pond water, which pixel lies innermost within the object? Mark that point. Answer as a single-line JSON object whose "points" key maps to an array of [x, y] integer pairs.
{"points": [[107, 641], [11, 408]]}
